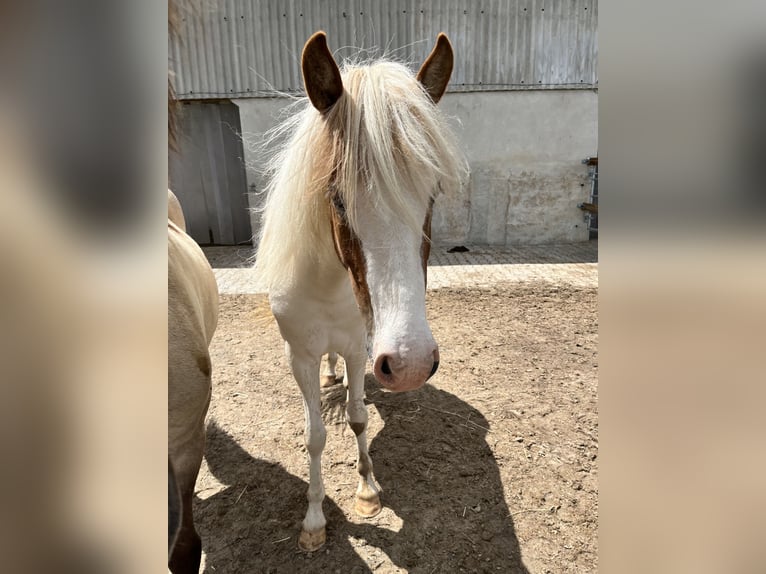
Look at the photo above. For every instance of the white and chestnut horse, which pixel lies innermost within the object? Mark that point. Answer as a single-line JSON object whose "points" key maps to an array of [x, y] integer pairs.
{"points": [[345, 238], [192, 319]]}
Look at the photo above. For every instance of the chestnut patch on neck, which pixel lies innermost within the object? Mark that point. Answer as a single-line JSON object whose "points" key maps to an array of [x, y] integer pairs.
{"points": [[349, 250], [425, 246]]}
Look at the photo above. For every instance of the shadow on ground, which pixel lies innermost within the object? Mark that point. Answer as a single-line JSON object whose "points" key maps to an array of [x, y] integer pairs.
{"points": [[439, 476], [437, 473], [261, 516]]}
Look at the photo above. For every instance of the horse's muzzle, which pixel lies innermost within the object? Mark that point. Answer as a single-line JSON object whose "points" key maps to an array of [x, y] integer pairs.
{"points": [[398, 373]]}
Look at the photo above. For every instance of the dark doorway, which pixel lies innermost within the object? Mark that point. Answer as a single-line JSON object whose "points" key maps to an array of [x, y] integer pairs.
{"points": [[207, 174]]}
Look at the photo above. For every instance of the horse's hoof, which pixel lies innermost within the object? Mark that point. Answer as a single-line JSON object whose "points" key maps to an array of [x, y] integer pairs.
{"points": [[327, 380], [311, 541], [368, 507]]}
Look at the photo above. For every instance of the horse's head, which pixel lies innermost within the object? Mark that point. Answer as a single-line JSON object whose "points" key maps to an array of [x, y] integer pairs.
{"points": [[390, 150]]}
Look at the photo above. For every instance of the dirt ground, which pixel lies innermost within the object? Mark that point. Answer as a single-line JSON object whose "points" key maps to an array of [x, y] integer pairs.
{"points": [[491, 467]]}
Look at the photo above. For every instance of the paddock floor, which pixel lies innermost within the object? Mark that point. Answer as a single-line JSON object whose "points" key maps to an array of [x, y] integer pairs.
{"points": [[491, 467]]}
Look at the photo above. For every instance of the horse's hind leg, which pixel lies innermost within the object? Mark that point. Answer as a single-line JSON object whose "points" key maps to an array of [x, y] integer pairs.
{"points": [[367, 493], [329, 377], [175, 513], [187, 551], [305, 371]]}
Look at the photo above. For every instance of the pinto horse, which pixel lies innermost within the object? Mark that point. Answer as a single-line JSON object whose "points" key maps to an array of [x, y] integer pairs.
{"points": [[346, 236], [192, 319]]}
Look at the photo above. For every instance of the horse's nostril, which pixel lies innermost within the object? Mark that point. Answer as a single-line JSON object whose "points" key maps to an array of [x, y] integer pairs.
{"points": [[385, 367], [434, 369]]}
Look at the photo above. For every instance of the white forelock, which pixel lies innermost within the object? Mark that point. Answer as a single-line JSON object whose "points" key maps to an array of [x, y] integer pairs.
{"points": [[383, 145]]}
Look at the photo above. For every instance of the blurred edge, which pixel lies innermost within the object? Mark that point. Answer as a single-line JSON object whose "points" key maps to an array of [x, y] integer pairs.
{"points": [[682, 286], [83, 172], [83, 150]]}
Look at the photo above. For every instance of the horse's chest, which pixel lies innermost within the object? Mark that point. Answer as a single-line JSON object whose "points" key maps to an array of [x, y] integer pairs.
{"points": [[320, 326]]}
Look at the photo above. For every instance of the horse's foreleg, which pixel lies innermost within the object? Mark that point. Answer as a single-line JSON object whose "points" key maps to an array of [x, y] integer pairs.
{"points": [[305, 371], [367, 493], [328, 377]]}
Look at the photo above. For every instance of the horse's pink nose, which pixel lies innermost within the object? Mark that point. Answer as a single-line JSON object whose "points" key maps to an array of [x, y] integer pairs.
{"points": [[399, 373]]}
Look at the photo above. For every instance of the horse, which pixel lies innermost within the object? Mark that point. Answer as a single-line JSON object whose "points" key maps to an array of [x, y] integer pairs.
{"points": [[345, 238], [192, 319], [174, 509]]}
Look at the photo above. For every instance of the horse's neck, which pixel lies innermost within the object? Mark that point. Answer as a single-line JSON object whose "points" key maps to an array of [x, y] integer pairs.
{"points": [[326, 272], [319, 267]]}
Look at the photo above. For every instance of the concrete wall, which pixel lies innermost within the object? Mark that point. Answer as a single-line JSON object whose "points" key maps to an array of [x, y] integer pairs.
{"points": [[524, 150], [257, 116]]}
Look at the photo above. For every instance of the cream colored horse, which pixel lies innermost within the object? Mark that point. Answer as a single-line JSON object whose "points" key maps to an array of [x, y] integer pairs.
{"points": [[345, 238], [192, 318]]}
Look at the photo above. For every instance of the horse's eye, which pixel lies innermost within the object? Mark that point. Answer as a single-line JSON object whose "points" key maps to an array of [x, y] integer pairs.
{"points": [[337, 202]]}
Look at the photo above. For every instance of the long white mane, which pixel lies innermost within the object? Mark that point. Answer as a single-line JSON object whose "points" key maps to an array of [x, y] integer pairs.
{"points": [[383, 141]]}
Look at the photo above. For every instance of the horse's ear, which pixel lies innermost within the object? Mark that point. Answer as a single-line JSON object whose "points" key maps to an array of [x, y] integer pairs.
{"points": [[321, 75], [437, 69]]}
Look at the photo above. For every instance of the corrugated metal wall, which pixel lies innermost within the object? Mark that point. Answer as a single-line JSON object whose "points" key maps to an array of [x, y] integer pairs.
{"points": [[251, 48]]}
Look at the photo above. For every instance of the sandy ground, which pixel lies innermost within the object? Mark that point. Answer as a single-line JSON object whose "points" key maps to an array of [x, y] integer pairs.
{"points": [[491, 467]]}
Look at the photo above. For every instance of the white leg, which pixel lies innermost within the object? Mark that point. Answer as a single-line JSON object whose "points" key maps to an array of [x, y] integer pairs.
{"points": [[305, 370], [367, 493], [328, 369]]}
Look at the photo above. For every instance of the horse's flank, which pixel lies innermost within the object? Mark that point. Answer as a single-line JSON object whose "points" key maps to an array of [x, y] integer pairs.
{"points": [[192, 283], [383, 137], [192, 318]]}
